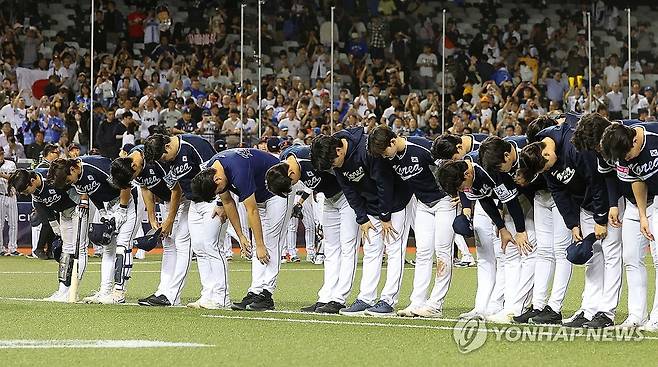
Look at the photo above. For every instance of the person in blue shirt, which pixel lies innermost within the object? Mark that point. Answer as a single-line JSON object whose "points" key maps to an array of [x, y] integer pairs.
{"points": [[383, 206], [89, 176], [242, 172], [338, 222], [150, 177], [58, 207], [184, 155], [54, 126], [411, 159]]}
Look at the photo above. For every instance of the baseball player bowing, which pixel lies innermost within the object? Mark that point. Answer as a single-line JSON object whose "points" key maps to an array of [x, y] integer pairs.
{"points": [[242, 172], [635, 152], [471, 182], [184, 155], [89, 176], [581, 197], [384, 210], [176, 243], [59, 208], [412, 161], [338, 221]]}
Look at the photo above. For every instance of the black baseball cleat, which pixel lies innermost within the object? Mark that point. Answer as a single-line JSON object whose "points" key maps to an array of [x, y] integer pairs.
{"points": [[159, 301], [599, 321], [331, 307], [547, 316], [242, 305], [312, 308], [577, 321], [524, 317], [145, 301], [263, 302]]}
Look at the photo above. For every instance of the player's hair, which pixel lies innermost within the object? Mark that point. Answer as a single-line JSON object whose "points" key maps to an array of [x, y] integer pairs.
{"points": [[450, 176], [323, 151], [277, 179], [380, 139], [588, 133], [445, 146], [203, 185], [121, 172], [59, 169], [537, 125], [154, 147], [492, 153], [531, 161], [50, 148], [617, 141], [21, 179]]}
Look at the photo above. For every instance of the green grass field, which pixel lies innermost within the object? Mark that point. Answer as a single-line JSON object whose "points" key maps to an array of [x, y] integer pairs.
{"points": [[277, 338]]}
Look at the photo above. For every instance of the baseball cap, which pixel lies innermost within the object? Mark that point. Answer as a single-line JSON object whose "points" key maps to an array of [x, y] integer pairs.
{"points": [[580, 252], [205, 113], [73, 146], [127, 148], [269, 107], [149, 241], [273, 144], [463, 226], [371, 115]]}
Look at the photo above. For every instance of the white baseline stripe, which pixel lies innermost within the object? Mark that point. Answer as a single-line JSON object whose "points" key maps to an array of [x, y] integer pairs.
{"points": [[49, 344], [145, 271]]}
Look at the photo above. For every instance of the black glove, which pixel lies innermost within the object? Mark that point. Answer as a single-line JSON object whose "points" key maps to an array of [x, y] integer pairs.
{"points": [[297, 211]]}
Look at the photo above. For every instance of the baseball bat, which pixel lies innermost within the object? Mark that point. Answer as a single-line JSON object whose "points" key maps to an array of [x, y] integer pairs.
{"points": [[73, 289]]}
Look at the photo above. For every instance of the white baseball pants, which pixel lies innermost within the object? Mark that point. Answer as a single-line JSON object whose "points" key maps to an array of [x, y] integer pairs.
{"points": [[490, 264], [340, 249], [9, 212], [519, 269], [434, 237], [205, 233], [177, 254], [553, 238], [634, 250], [373, 253], [309, 228]]}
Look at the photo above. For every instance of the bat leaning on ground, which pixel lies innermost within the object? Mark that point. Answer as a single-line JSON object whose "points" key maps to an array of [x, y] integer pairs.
{"points": [[73, 290]]}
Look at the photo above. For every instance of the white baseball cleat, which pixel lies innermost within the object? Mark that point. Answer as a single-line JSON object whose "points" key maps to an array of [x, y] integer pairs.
{"points": [[319, 259], [410, 311], [195, 304], [651, 326], [502, 317], [114, 298], [210, 305], [119, 296], [58, 297], [94, 298], [630, 322], [472, 314], [140, 254], [429, 312]]}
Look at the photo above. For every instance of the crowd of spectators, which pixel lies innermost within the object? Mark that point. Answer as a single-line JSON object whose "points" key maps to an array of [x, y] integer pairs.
{"points": [[157, 70]]}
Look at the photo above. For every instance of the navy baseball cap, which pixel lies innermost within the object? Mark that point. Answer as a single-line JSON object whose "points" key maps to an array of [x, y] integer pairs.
{"points": [[101, 233], [220, 145], [581, 251], [149, 241], [463, 226], [273, 144]]}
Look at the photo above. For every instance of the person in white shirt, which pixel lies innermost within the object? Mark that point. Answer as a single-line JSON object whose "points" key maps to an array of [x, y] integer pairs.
{"points": [[637, 101], [8, 208], [612, 72], [317, 92], [426, 62], [291, 122], [150, 113], [364, 103], [395, 103], [491, 51], [615, 100], [269, 99], [127, 107]]}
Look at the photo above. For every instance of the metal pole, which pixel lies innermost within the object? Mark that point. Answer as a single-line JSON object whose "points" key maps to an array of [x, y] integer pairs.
{"points": [[443, 74], [630, 65], [331, 76], [589, 61], [91, 79], [260, 67], [242, 94]]}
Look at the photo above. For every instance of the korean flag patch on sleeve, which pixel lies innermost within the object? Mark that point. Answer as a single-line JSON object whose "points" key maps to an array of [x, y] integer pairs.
{"points": [[504, 194]]}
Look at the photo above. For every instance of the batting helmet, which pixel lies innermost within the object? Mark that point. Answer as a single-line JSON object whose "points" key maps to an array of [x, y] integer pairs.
{"points": [[149, 241], [463, 226], [101, 233]]}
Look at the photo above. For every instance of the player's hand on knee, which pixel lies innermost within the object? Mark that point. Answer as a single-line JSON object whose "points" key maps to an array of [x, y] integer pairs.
{"points": [[505, 238], [167, 227], [645, 228], [613, 217], [297, 211], [220, 213], [468, 212], [120, 216], [575, 232], [388, 232], [365, 228], [600, 231], [522, 242], [262, 255], [245, 246]]}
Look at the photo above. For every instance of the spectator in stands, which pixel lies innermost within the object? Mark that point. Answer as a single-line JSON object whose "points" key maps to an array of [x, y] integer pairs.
{"points": [[14, 149], [106, 137], [637, 100], [53, 125], [615, 102], [555, 86], [230, 129], [33, 151], [612, 72], [426, 62]]}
